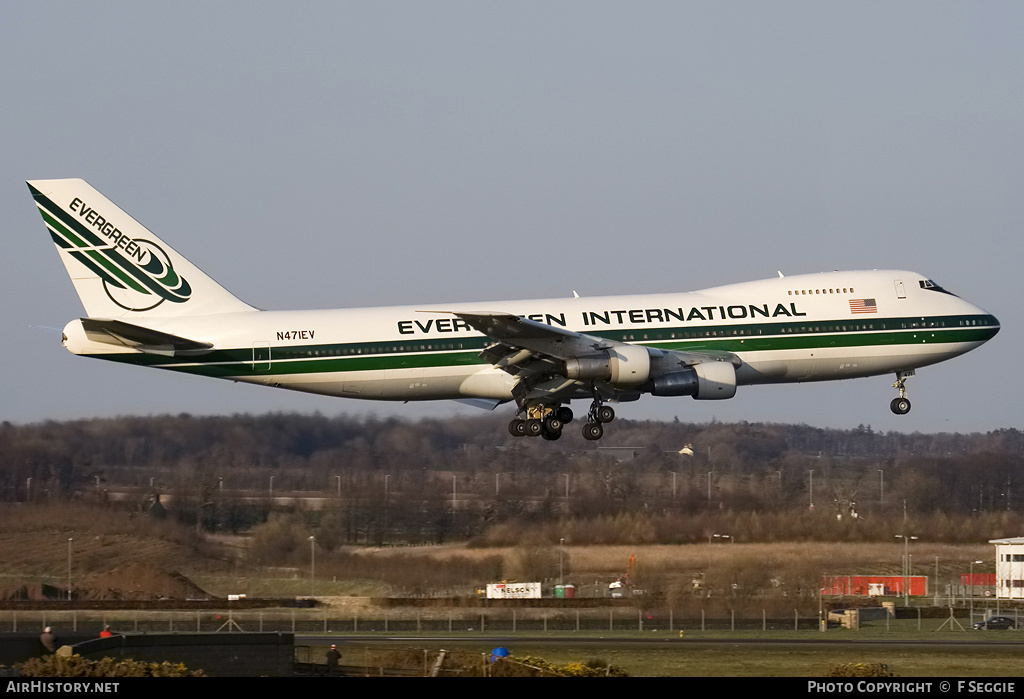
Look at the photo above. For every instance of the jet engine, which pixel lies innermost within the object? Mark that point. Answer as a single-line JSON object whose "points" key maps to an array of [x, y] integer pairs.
{"points": [[627, 365], [704, 381]]}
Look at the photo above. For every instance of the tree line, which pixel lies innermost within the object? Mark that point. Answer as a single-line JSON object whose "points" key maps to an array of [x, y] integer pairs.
{"points": [[358, 480]]}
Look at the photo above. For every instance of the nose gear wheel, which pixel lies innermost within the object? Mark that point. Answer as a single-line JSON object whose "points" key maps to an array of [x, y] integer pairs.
{"points": [[901, 405]]}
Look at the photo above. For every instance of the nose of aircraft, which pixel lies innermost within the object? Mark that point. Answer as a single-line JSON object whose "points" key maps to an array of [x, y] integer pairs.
{"points": [[981, 325], [987, 322]]}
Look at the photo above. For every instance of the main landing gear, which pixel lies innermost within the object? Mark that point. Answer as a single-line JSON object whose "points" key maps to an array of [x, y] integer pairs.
{"points": [[901, 405], [547, 421], [596, 419], [541, 421]]}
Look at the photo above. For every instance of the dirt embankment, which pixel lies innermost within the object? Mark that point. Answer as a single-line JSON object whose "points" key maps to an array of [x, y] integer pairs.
{"points": [[131, 581]]}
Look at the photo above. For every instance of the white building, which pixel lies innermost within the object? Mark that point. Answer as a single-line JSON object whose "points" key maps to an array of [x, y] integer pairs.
{"points": [[1009, 567]]}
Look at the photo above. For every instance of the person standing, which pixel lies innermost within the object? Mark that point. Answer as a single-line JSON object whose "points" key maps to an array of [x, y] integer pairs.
{"points": [[333, 658]]}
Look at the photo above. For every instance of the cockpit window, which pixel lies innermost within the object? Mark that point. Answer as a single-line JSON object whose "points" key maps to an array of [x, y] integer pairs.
{"points": [[932, 286]]}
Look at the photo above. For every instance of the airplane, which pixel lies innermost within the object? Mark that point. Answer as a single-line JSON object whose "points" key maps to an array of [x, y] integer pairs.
{"points": [[147, 305]]}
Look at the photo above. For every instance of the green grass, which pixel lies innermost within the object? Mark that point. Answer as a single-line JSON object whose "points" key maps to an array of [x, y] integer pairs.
{"points": [[971, 657], [744, 660], [789, 662]]}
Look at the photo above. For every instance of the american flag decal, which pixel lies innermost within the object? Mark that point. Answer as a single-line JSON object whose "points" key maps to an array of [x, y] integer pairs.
{"points": [[863, 306]]}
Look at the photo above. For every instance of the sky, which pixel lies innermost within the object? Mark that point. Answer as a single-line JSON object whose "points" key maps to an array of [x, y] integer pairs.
{"points": [[336, 154]]}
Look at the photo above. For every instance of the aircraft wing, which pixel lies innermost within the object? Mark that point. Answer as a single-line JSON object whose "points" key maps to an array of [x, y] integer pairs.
{"points": [[117, 332], [537, 353], [520, 333], [533, 352]]}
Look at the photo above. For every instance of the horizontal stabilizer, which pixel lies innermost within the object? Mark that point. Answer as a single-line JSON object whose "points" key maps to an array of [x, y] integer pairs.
{"points": [[117, 332]]}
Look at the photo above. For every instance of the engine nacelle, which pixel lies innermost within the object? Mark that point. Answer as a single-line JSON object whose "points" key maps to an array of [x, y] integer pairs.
{"points": [[625, 365], [676, 383], [592, 367], [705, 381], [715, 380]]}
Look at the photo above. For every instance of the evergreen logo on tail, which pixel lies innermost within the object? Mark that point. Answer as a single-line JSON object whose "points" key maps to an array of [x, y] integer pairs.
{"points": [[137, 274]]}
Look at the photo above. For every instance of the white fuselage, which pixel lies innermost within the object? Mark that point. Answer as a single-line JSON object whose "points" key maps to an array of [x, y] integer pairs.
{"points": [[813, 327]]}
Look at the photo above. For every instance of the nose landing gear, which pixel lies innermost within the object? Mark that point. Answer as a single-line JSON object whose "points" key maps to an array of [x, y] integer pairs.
{"points": [[901, 405]]}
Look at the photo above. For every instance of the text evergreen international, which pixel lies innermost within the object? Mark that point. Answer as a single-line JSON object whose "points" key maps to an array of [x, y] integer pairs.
{"points": [[621, 317]]}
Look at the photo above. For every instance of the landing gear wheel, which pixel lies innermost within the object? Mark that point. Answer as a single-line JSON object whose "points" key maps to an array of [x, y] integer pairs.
{"points": [[604, 413], [534, 428], [564, 414], [593, 431], [517, 428], [553, 425], [900, 406]]}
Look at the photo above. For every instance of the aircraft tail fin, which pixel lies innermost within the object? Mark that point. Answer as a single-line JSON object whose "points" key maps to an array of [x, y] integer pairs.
{"points": [[119, 268]]}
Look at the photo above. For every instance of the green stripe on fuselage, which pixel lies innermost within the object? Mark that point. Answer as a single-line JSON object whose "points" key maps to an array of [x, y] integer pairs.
{"points": [[413, 354]]}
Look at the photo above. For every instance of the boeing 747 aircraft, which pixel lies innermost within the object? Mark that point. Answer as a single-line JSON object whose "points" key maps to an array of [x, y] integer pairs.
{"points": [[147, 305]]}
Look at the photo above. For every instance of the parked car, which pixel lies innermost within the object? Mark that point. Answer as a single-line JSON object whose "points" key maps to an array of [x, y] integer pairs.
{"points": [[995, 622]]}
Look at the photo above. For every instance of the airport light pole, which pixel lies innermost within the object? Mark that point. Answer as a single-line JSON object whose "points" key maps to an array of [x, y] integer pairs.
{"points": [[69, 567], [312, 567], [970, 585], [561, 551], [906, 567], [387, 479]]}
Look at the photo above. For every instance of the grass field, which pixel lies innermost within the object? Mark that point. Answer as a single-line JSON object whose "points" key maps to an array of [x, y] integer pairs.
{"points": [[789, 662], [753, 568], [745, 659]]}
